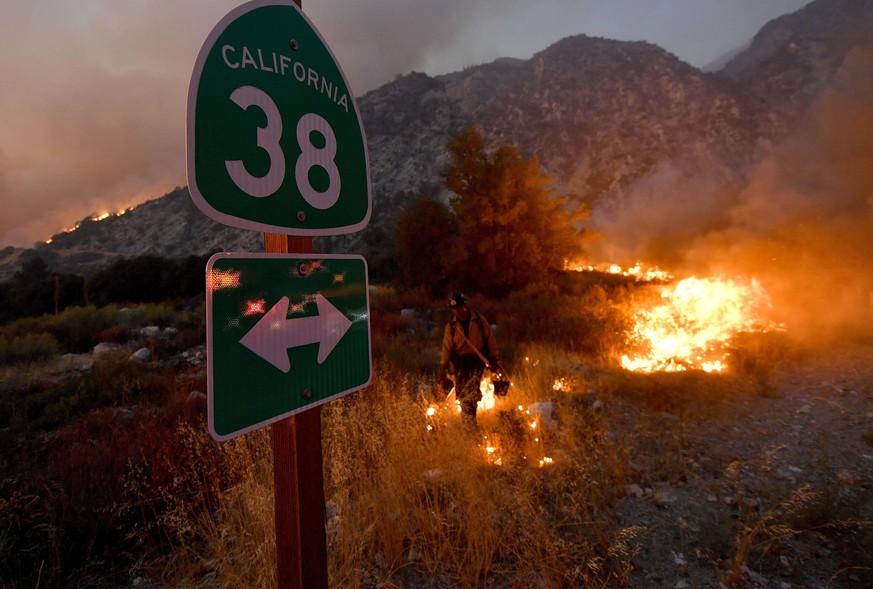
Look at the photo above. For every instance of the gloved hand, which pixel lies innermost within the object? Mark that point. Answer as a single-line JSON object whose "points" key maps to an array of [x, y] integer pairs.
{"points": [[444, 382]]}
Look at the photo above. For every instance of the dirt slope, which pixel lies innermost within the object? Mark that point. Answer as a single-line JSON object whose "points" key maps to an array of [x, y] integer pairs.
{"points": [[772, 490]]}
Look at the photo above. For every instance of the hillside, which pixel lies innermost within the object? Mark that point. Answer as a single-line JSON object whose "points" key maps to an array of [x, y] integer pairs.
{"points": [[605, 119]]}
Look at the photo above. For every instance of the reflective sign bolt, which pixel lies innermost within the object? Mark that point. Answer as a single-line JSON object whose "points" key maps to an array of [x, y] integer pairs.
{"points": [[301, 216], [307, 393], [294, 44]]}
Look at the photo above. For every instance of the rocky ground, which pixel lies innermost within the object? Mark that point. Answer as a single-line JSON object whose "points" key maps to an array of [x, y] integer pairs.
{"points": [[782, 483]]}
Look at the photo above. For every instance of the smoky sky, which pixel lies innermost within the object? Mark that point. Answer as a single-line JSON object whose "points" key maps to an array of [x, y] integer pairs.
{"points": [[801, 221], [93, 93]]}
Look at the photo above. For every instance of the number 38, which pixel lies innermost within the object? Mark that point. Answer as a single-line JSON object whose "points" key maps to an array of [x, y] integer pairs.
{"points": [[268, 140]]}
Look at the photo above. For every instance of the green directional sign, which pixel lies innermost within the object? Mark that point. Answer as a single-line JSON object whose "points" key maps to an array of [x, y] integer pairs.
{"points": [[274, 138], [285, 332]]}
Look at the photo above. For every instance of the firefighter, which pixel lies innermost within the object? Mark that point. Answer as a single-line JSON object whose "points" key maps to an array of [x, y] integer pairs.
{"points": [[469, 348]]}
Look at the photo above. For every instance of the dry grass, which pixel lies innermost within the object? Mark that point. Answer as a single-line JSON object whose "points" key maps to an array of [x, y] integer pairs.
{"points": [[524, 502], [528, 501]]}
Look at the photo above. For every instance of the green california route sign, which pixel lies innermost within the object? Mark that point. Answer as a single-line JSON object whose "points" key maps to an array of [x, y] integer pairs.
{"points": [[284, 332], [274, 136]]}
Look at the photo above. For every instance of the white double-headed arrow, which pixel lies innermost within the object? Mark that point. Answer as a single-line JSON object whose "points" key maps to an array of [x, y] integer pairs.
{"points": [[274, 333]]}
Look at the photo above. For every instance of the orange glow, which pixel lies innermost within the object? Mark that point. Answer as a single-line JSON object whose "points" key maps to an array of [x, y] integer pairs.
{"points": [[258, 307], [694, 323], [219, 279], [492, 456]]}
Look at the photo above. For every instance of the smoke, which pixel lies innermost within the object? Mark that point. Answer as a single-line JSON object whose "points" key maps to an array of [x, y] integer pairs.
{"points": [[79, 152], [380, 39], [93, 104], [802, 223], [94, 93]]}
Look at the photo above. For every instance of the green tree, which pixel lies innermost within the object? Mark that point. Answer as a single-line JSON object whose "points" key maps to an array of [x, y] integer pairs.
{"points": [[33, 270], [512, 231], [36, 290], [425, 238], [141, 279]]}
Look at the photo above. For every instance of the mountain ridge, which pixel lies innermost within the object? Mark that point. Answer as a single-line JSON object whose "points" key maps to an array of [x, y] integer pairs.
{"points": [[599, 115]]}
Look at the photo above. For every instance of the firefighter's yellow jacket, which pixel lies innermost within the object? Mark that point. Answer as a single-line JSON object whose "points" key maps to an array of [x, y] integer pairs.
{"points": [[479, 334]]}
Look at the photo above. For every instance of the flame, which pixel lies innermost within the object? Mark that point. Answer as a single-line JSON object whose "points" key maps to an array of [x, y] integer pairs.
{"points": [[638, 271], [488, 400], [695, 321], [488, 445], [106, 214]]}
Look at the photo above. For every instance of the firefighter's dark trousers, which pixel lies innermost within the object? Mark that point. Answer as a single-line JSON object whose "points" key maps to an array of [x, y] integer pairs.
{"points": [[468, 375]]}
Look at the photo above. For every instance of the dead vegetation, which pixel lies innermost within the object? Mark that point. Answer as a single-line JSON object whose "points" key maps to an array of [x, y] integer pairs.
{"points": [[585, 475]]}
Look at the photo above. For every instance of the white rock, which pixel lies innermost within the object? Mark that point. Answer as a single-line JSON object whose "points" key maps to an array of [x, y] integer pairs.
{"points": [[634, 489], [196, 396], [141, 355], [103, 347], [663, 498], [546, 411]]}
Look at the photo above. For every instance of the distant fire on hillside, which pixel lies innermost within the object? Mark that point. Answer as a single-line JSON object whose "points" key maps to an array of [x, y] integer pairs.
{"points": [[93, 218]]}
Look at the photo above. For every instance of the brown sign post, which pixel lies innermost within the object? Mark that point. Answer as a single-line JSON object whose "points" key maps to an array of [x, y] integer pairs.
{"points": [[301, 540]]}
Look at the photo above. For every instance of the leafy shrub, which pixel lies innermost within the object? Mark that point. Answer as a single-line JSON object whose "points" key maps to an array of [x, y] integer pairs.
{"points": [[113, 380], [78, 516], [25, 325], [30, 347], [160, 314], [77, 328], [191, 328], [116, 334], [593, 324]]}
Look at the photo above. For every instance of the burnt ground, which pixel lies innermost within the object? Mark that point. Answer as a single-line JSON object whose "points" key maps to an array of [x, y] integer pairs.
{"points": [[771, 489]]}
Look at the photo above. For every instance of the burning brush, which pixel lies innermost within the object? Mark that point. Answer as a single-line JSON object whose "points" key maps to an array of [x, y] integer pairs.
{"points": [[694, 323]]}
